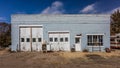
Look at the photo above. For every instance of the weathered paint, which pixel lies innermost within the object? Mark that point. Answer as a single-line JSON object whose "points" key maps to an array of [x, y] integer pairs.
{"points": [[75, 24], [30, 32]]}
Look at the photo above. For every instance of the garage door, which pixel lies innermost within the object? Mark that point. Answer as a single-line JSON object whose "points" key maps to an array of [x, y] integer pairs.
{"points": [[59, 41], [31, 38]]}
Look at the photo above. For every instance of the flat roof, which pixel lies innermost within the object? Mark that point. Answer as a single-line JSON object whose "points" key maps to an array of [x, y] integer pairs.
{"points": [[80, 18]]}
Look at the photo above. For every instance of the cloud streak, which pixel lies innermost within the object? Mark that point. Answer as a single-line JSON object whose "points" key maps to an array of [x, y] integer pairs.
{"points": [[2, 19], [100, 7], [118, 8], [88, 9], [55, 8]]}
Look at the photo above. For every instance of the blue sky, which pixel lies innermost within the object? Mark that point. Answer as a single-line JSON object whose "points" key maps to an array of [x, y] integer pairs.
{"points": [[8, 7]]}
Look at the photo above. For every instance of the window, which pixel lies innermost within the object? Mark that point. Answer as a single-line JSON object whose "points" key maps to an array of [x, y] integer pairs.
{"points": [[118, 37], [95, 40], [27, 39], [61, 39], [51, 39], [77, 40], [34, 39], [22, 40], [112, 39], [118, 41], [39, 39], [55, 39], [66, 39]]}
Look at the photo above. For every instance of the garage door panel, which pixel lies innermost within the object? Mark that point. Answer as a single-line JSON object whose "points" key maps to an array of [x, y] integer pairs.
{"points": [[55, 41], [38, 36], [34, 39], [65, 44], [27, 34], [24, 34]]}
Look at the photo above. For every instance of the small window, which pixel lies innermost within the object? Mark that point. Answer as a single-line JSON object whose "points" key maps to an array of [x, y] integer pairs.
{"points": [[27, 39], [22, 40], [61, 39], [118, 37], [112, 39], [66, 39], [77, 40], [51, 39], [34, 39], [55, 39], [118, 41], [39, 39]]}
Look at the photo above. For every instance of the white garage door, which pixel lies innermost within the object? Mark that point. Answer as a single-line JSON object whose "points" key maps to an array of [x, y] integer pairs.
{"points": [[31, 38], [25, 39], [37, 37], [59, 41]]}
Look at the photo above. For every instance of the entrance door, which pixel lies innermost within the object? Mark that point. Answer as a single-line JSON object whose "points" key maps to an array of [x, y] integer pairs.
{"points": [[78, 43]]}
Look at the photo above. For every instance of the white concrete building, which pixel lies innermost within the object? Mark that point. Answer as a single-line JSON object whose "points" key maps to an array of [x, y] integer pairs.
{"points": [[61, 32]]}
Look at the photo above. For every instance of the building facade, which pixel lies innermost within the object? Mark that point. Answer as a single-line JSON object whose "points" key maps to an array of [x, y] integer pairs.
{"points": [[60, 32]]}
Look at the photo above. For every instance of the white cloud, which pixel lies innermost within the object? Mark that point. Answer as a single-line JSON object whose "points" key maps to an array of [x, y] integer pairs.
{"points": [[88, 9], [55, 8], [2, 19], [101, 7], [118, 8], [112, 11]]}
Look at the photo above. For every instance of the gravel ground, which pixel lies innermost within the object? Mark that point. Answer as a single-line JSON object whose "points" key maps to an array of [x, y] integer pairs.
{"points": [[59, 60]]}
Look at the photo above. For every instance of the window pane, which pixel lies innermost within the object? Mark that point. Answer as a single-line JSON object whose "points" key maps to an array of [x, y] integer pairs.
{"points": [[55, 39], [22, 40], [101, 39], [51, 39], [77, 40], [112, 39], [66, 39], [39, 39], [118, 37], [27, 39], [34, 39], [94, 38], [89, 38], [61, 39], [88, 43]]}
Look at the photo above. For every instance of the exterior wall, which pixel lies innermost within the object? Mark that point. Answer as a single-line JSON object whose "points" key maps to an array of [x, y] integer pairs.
{"points": [[75, 24]]}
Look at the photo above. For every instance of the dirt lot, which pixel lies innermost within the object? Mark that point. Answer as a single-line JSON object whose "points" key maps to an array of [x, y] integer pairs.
{"points": [[59, 60]]}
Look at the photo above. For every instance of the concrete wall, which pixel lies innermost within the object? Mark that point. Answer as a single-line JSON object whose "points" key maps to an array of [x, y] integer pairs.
{"points": [[75, 24]]}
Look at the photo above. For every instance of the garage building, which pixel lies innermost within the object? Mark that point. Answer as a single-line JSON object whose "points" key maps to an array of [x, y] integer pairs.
{"points": [[60, 32]]}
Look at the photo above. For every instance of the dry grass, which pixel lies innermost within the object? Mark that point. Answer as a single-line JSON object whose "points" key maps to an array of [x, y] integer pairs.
{"points": [[59, 60], [4, 51], [71, 55]]}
